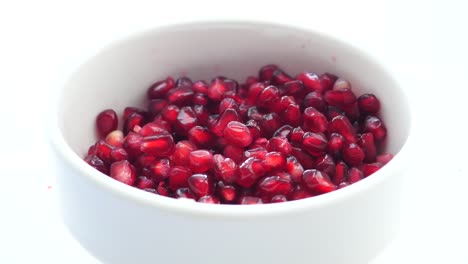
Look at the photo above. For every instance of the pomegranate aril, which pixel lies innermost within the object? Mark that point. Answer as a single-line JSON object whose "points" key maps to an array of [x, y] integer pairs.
{"points": [[163, 189], [118, 154], [274, 161], [97, 163], [342, 185], [200, 87], [180, 96], [227, 193], [160, 88], [353, 154], [160, 145], [293, 87], [202, 114], [155, 106], [317, 181], [92, 150], [314, 121], [283, 132], [254, 128], [130, 110], [314, 143], [227, 103], [292, 115], [200, 161], [281, 145], [201, 137], [366, 142], [106, 122], [340, 98], [259, 143], [209, 199], [217, 89], [132, 144], [160, 169], [134, 119], [249, 172], [103, 151], [266, 72], [305, 159], [300, 192], [274, 185], [258, 153], [311, 81], [181, 153], [335, 144], [370, 168], [184, 193], [342, 126], [279, 77], [123, 171], [333, 112], [145, 183], [254, 114], [315, 100], [279, 199], [341, 173], [250, 200], [297, 134], [354, 175], [374, 125], [200, 99], [294, 168], [229, 115], [328, 81], [368, 104], [224, 169], [253, 92], [183, 82], [269, 124], [384, 158], [233, 152], [326, 164], [268, 97], [341, 84], [199, 184], [178, 176], [237, 134], [152, 129], [115, 138]]}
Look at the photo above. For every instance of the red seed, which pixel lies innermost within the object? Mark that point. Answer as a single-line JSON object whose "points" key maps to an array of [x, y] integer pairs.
{"points": [[294, 168], [266, 72], [132, 144], [274, 185], [233, 152], [300, 192], [178, 177], [97, 163], [202, 114], [160, 169], [249, 172], [163, 189], [283, 132], [180, 96], [130, 110], [254, 128], [201, 137], [374, 125], [106, 122], [145, 183], [123, 171], [314, 121], [293, 87], [311, 81], [155, 106], [199, 184], [258, 153], [315, 100], [259, 143], [186, 119], [317, 181], [353, 155], [160, 88], [152, 129], [158, 145], [118, 154], [227, 103], [335, 144], [314, 143], [170, 112], [237, 134], [342, 126], [227, 193], [384, 158], [268, 97], [279, 77], [340, 98], [326, 164], [368, 104], [281, 145], [341, 173], [200, 87], [274, 161], [366, 142], [269, 124], [250, 200], [200, 161], [328, 81], [181, 153], [200, 99], [279, 199], [184, 193], [209, 199], [134, 119], [253, 92], [217, 89], [297, 134], [333, 112], [103, 151], [225, 169], [254, 114], [292, 115], [228, 116], [305, 159], [354, 175], [370, 168]]}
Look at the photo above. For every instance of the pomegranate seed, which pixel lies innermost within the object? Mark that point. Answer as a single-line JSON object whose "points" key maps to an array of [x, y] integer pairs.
{"points": [[297, 134], [279, 77], [328, 81], [163, 189], [103, 151], [130, 110], [178, 176], [254, 91], [181, 153], [314, 121], [237, 134], [374, 125], [315, 100], [353, 154], [250, 200], [200, 99], [92, 150], [217, 89], [254, 128], [266, 72], [342, 185], [132, 144], [293, 87], [186, 119], [279, 144], [341, 84], [170, 113], [180, 96], [200, 160], [228, 193], [199, 184], [317, 181], [341, 173], [354, 175], [366, 142], [249, 172], [160, 88], [123, 171], [152, 129], [227, 103], [224, 168], [158, 145], [134, 119], [305, 159], [200, 87], [340, 98], [97, 163], [106, 122], [274, 185], [333, 112], [209, 199], [228, 116], [115, 138], [201, 136], [118, 154], [314, 143], [335, 144], [274, 161], [160, 169], [292, 115], [184, 82], [300, 192], [155, 106], [384, 158], [269, 124], [279, 199], [254, 114], [326, 164], [202, 114], [342, 126], [145, 183], [184, 193], [258, 153], [259, 143], [369, 104], [311, 81], [268, 96], [369, 168], [283, 132], [233, 152], [294, 168]]}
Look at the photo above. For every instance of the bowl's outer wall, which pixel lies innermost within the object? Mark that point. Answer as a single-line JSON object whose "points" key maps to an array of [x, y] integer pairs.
{"points": [[120, 230]]}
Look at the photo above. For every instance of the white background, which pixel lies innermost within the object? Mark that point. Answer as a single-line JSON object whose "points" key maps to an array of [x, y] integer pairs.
{"points": [[423, 42]]}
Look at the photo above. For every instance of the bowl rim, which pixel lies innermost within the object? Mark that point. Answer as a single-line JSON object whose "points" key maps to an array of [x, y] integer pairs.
{"points": [[190, 207]]}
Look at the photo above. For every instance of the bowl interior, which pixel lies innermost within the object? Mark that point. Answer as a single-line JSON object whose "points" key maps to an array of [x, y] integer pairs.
{"points": [[119, 75]]}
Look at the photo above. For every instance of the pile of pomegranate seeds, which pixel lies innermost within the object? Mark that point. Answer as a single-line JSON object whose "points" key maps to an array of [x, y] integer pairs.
{"points": [[273, 139]]}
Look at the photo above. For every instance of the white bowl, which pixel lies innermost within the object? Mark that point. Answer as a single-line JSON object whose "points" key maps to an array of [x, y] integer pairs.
{"points": [[121, 224]]}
